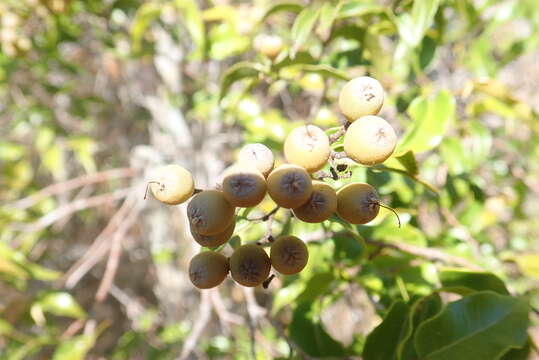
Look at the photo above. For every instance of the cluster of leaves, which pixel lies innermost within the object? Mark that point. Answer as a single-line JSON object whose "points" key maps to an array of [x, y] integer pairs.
{"points": [[462, 179]]}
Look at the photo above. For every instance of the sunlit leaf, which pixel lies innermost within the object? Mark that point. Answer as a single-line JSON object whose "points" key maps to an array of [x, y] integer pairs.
{"points": [[528, 264], [282, 6], [61, 304], [465, 282], [192, 18], [413, 26], [481, 326], [302, 28], [239, 71]]}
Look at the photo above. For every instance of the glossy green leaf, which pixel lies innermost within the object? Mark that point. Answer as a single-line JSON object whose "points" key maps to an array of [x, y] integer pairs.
{"points": [[328, 13], [431, 118], [282, 6], [421, 310], [413, 26], [302, 28], [287, 295], [481, 326], [465, 282], [315, 287], [325, 70], [61, 304], [308, 333], [239, 71], [382, 342]]}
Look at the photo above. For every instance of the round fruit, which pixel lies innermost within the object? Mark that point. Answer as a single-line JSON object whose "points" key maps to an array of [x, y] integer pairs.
{"points": [[320, 206], [209, 212], [269, 45], [208, 269], [308, 147], [250, 265], [259, 156], [244, 186], [218, 239], [172, 184], [357, 203], [370, 140], [289, 186], [288, 255], [361, 96]]}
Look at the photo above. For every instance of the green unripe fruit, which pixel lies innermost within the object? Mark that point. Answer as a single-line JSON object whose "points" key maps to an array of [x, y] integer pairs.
{"points": [[244, 186], [370, 140], [308, 147], [250, 265], [218, 239], [209, 212], [208, 269], [358, 203], [320, 206], [172, 184], [288, 255], [289, 185], [257, 155], [361, 96]]}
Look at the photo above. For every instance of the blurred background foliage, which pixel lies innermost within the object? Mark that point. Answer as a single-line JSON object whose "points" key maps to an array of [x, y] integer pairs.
{"points": [[95, 94]]}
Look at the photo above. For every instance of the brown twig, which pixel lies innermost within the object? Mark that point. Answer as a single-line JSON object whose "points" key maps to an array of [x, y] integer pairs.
{"points": [[427, 253], [337, 155], [320, 175], [99, 247], [222, 313], [72, 184], [72, 207], [267, 216], [115, 252], [337, 135], [201, 321]]}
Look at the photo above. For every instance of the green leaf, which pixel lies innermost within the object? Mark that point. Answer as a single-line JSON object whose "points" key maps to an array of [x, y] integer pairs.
{"points": [[481, 326], [412, 27], [192, 17], [284, 6], [316, 286], [421, 310], [75, 348], [302, 28], [307, 332], [144, 16], [465, 282], [325, 70], [239, 71], [382, 342], [61, 304], [409, 162], [528, 264], [431, 117], [359, 8], [287, 295], [328, 13]]}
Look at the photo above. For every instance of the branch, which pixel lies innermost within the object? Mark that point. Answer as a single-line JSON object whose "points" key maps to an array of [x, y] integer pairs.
{"points": [[71, 184], [99, 247], [201, 321], [72, 207], [427, 253], [337, 135], [115, 252]]}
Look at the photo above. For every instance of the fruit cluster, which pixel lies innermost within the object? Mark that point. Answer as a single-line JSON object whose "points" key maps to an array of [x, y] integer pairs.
{"points": [[368, 140]]}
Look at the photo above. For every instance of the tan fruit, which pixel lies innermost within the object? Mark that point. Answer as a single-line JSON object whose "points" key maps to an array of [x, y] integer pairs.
{"points": [[361, 96], [209, 212], [370, 140], [257, 155], [218, 239], [269, 45], [357, 203], [244, 186], [250, 265], [208, 269], [172, 184], [308, 147], [320, 206], [289, 185], [288, 255]]}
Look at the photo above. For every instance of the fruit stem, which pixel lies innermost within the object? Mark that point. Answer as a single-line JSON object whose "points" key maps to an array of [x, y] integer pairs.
{"points": [[338, 155], [266, 282], [337, 135], [390, 209], [147, 186]]}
